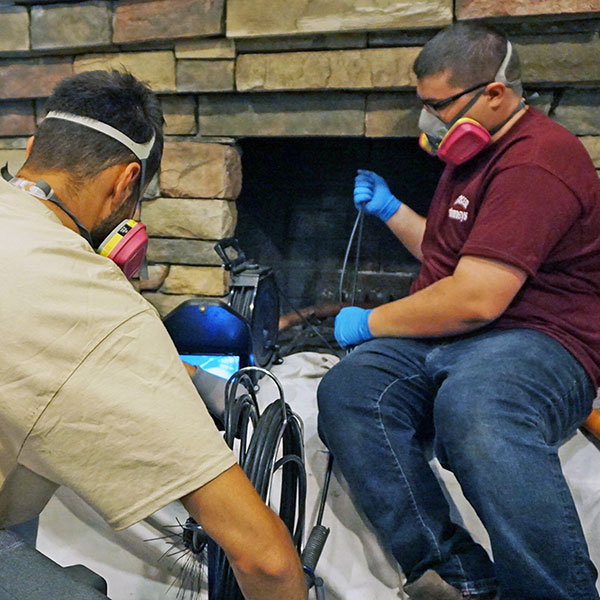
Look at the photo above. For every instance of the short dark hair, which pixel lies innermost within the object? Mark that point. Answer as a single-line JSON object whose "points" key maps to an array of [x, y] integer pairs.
{"points": [[115, 98], [472, 52]]}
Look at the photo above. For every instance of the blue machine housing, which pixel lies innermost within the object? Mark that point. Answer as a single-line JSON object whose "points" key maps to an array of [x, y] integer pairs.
{"points": [[246, 325], [197, 327]]}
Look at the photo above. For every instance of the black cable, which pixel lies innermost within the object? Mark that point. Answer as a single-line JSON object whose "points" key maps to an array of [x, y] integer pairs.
{"points": [[240, 411], [325, 489], [319, 533], [277, 428]]}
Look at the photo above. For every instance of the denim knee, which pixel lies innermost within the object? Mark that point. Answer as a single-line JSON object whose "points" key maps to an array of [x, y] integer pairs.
{"points": [[330, 398], [463, 428]]}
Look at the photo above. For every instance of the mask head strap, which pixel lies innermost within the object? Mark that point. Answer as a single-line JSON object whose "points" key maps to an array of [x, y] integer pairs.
{"points": [[140, 150], [50, 196], [501, 72], [501, 77]]}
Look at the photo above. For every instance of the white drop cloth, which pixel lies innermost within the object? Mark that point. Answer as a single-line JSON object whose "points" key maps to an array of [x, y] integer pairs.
{"points": [[353, 565]]}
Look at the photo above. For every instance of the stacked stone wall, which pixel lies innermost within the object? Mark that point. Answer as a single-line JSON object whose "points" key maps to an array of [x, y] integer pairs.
{"points": [[226, 69]]}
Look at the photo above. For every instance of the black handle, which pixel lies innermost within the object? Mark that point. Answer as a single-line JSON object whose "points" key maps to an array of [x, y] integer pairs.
{"points": [[229, 263]]}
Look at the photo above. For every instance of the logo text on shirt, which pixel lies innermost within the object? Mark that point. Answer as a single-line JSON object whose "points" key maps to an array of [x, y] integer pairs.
{"points": [[459, 214], [462, 201]]}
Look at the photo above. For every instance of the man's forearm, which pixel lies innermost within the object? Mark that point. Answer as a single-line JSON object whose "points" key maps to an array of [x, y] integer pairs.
{"points": [[477, 293], [432, 312], [287, 583], [409, 227], [256, 541], [254, 589]]}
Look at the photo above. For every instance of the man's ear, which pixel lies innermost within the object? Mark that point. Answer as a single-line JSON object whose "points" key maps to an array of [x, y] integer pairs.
{"points": [[124, 183], [496, 91], [29, 147]]}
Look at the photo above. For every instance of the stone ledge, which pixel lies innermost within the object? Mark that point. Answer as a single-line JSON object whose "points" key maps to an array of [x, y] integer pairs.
{"points": [[32, 78], [157, 69], [202, 281], [183, 252], [578, 111], [166, 19], [560, 61], [336, 69], [205, 75], [201, 170], [283, 17], [416, 37], [13, 143], [190, 218], [205, 49], [17, 118], [473, 9], [392, 115], [165, 303], [592, 145], [14, 29], [279, 114], [68, 26], [327, 41], [180, 115]]}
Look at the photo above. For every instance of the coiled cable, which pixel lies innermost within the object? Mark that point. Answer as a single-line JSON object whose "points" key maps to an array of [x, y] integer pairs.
{"points": [[276, 431]]}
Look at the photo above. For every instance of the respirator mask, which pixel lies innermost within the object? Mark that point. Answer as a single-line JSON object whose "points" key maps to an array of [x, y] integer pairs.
{"points": [[462, 138], [127, 243]]}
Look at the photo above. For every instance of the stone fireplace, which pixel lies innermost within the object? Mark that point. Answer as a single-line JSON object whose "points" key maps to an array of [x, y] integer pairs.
{"points": [[261, 95], [295, 213]]}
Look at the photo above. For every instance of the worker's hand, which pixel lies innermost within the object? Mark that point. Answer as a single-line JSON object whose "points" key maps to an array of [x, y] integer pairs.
{"points": [[352, 326], [372, 192], [212, 390]]}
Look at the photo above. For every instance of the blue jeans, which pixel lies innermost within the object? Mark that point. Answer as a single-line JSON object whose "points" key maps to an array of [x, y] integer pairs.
{"points": [[27, 531], [496, 405]]}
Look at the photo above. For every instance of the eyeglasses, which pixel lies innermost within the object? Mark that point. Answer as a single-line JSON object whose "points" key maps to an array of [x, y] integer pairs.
{"points": [[437, 105]]}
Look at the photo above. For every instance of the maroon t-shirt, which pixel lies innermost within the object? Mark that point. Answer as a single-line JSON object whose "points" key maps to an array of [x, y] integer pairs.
{"points": [[532, 200]]}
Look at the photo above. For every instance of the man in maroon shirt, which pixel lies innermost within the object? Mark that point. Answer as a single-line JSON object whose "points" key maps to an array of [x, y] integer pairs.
{"points": [[494, 356]]}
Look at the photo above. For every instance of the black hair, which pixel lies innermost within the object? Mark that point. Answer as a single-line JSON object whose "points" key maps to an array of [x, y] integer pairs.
{"points": [[115, 98], [472, 52]]}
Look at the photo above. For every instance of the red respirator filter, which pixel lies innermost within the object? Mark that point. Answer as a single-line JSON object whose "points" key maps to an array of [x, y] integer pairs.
{"points": [[464, 140], [126, 246]]}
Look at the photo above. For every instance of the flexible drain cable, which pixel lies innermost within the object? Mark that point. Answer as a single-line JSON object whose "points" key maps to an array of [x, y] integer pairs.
{"points": [[276, 428], [319, 533]]}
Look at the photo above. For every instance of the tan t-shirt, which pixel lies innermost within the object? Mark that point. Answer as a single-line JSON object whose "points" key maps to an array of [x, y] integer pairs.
{"points": [[92, 392]]}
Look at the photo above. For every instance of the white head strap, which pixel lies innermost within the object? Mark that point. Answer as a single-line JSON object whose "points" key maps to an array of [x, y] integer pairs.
{"points": [[501, 73], [142, 151]]}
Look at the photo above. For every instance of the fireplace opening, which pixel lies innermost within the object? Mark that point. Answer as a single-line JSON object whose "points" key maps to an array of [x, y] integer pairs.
{"points": [[296, 212]]}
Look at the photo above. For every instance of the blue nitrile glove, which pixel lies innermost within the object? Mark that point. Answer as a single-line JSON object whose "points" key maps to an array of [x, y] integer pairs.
{"points": [[352, 326], [372, 192]]}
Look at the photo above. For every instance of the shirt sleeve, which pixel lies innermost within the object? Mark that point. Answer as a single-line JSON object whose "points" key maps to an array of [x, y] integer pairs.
{"points": [[127, 431], [525, 212]]}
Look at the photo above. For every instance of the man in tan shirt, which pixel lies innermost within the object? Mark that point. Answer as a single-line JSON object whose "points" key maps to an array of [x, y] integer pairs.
{"points": [[92, 392]]}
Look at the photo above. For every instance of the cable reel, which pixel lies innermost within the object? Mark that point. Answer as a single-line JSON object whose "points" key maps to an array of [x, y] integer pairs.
{"points": [[253, 295], [244, 327]]}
